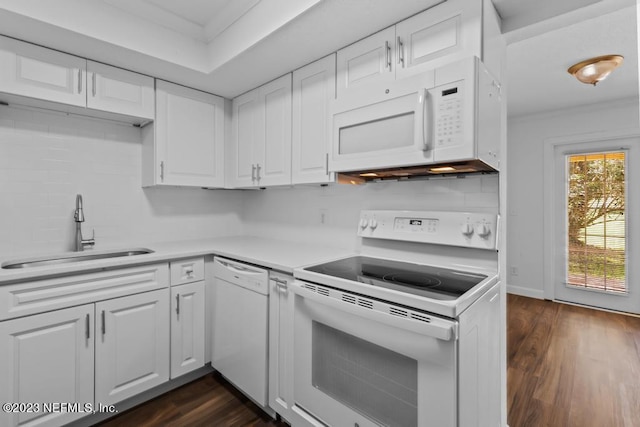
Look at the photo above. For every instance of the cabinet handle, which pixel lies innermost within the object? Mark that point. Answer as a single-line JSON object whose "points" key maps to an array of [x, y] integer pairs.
{"points": [[162, 171], [281, 285], [178, 304], [253, 172], [258, 172], [387, 50], [79, 80], [93, 90], [326, 163], [400, 52], [104, 324], [86, 325]]}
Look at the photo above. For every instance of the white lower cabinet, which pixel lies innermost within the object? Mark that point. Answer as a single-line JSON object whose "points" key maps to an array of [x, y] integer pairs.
{"points": [[45, 359], [132, 345], [187, 328], [280, 344]]}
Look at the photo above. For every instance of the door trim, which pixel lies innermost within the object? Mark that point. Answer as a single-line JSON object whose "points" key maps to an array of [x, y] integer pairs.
{"points": [[550, 178]]}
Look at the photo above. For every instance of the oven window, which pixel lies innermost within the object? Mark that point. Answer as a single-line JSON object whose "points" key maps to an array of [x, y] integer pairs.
{"points": [[372, 380]]}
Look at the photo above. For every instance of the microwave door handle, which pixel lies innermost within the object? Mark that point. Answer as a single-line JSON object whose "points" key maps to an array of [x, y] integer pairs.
{"points": [[423, 123]]}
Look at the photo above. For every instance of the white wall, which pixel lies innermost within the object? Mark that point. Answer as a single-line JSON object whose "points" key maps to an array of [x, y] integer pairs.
{"points": [[525, 157], [47, 158], [296, 214]]}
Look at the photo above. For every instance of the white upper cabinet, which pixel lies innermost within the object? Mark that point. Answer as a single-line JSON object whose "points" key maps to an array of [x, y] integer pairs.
{"points": [[33, 75], [368, 61], [260, 152], [185, 147], [314, 87], [441, 34], [36, 72], [120, 91]]}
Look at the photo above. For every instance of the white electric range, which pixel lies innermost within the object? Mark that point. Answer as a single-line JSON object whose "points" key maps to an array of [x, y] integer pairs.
{"points": [[407, 332]]}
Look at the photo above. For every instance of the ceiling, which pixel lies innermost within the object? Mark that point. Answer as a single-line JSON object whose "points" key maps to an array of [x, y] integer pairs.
{"points": [[230, 46]]}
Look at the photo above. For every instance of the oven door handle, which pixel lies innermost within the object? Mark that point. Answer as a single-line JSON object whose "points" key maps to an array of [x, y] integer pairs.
{"points": [[446, 330]]}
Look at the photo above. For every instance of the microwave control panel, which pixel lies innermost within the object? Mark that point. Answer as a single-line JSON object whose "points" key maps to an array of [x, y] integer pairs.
{"points": [[448, 104]]}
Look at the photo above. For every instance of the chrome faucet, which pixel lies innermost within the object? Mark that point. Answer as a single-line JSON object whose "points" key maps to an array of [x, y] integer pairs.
{"points": [[78, 217]]}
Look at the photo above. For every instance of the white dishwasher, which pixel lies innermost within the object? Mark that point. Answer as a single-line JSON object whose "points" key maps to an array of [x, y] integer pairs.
{"points": [[240, 326]]}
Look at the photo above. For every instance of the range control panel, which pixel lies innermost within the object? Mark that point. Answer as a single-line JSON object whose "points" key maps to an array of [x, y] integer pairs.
{"points": [[465, 229]]}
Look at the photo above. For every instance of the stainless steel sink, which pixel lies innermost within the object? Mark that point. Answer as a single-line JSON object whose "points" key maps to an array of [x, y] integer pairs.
{"points": [[73, 257]]}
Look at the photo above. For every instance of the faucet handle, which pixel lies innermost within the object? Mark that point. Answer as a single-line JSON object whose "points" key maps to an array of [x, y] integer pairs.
{"points": [[90, 242]]}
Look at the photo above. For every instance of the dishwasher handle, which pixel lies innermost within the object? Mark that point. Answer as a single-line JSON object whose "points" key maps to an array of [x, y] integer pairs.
{"points": [[246, 276], [240, 268]]}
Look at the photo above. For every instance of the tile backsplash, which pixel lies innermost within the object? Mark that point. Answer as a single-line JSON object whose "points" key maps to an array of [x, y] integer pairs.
{"points": [[329, 215], [46, 158]]}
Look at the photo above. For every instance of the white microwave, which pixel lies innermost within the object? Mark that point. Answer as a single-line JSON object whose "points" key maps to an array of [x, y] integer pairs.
{"points": [[446, 120]]}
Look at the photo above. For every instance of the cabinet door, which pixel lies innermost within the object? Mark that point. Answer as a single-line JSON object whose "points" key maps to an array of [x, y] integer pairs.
{"points": [[244, 138], [187, 328], [120, 91], [314, 87], [367, 64], [447, 32], [132, 345], [47, 358], [280, 345], [273, 150], [189, 137], [37, 72]]}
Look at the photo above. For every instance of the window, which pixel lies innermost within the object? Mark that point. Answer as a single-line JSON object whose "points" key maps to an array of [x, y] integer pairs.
{"points": [[596, 222]]}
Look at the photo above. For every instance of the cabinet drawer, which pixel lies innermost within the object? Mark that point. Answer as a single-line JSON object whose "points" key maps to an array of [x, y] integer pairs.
{"points": [[38, 296], [187, 270]]}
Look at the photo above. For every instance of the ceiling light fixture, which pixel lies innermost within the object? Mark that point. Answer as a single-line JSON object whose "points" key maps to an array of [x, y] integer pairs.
{"points": [[593, 70]]}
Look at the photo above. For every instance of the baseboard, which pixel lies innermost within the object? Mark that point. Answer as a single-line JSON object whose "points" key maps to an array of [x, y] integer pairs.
{"points": [[525, 292]]}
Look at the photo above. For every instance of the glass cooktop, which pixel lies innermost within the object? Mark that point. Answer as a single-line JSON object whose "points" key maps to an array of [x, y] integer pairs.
{"points": [[422, 280]]}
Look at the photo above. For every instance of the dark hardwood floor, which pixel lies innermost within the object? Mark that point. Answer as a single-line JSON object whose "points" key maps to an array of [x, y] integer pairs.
{"points": [[571, 366], [567, 367], [209, 401]]}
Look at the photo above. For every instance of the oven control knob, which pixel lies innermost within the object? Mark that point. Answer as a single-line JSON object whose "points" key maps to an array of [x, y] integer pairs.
{"points": [[466, 229], [483, 230], [364, 222], [373, 224]]}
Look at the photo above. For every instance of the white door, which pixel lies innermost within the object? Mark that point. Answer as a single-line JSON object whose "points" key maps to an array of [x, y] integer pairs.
{"points": [[187, 328], [37, 72], [446, 32], [314, 88], [120, 91], [366, 64], [132, 345], [593, 235], [273, 151], [47, 358], [242, 164], [189, 132]]}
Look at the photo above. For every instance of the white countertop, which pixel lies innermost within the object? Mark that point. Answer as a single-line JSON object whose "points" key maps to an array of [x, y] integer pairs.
{"points": [[274, 254]]}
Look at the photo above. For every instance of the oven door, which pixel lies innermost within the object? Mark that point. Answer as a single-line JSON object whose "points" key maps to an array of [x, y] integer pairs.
{"points": [[364, 362]]}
